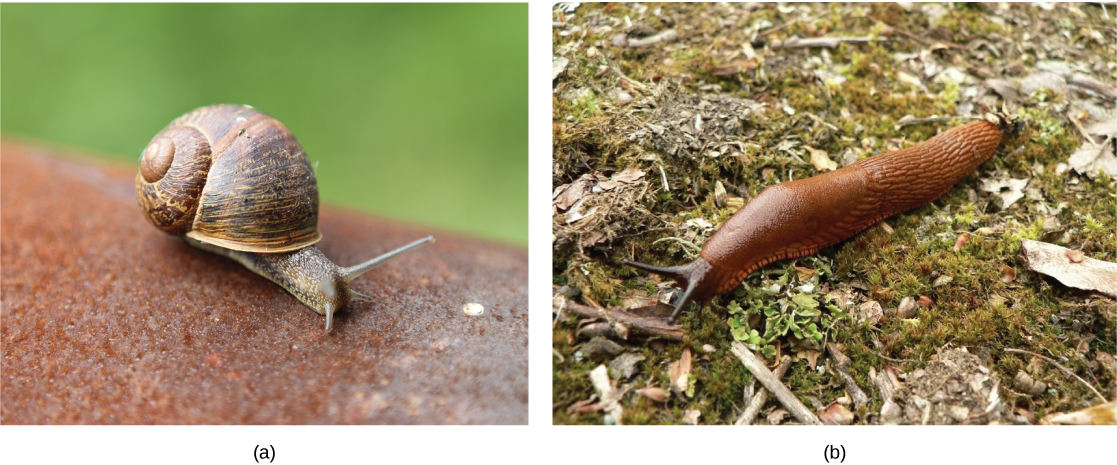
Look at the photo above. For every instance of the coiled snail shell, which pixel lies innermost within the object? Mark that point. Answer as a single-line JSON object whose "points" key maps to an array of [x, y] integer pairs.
{"points": [[237, 183]]}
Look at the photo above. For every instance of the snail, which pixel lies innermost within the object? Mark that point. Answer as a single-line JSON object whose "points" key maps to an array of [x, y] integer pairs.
{"points": [[799, 218], [235, 182]]}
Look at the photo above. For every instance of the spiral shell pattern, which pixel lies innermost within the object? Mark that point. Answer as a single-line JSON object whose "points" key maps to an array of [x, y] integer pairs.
{"points": [[234, 177]]}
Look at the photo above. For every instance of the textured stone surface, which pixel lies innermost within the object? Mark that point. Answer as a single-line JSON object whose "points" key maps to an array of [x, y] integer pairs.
{"points": [[107, 320]]}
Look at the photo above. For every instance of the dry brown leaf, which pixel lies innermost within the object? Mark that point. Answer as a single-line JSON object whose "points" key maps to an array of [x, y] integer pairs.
{"points": [[1101, 414], [835, 414], [567, 195], [628, 176], [1075, 256], [869, 313], [1091, 158], [810, 355], [719, 194], [804, 272], [1089, 274], [777, 416], [1007, 274], [821, 160], [926, 302], [680, 372], [961, 242], [887, 228], [690, 417], [653, 393]]}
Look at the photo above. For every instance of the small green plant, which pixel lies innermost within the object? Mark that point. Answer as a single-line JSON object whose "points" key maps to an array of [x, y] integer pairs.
{"points": [[797, 311]]}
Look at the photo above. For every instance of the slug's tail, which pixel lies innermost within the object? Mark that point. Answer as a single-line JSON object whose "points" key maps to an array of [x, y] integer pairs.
{"points": [[690, 275]]}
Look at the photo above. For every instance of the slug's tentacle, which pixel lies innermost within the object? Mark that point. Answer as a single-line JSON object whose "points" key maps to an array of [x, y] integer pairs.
{"points": [[689, 276], [801, 217]]}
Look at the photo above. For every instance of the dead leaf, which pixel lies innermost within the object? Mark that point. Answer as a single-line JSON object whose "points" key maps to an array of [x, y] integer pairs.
{"points": [[1103, 129], [628, 176], [625, 364], [724, 70], [926, 302], [1091, 158], [1007, 274], [719, 194], [869, 313], [942, 281], [961, 242], [578, 213], [690, 417], [777, 416], [1090, 274], [835, 414], [653, 393], [887, 228], [811, 356], [804, 272], [680, 372], [558, 65], [1101, 414], [593, 238], [821, 160], [567, 195], [1075, 256], [1009, 190]]}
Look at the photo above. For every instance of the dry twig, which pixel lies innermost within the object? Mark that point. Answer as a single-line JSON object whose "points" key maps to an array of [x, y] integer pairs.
{"points": [[760, 398], [652, 326], [1063, 368], [770, 381], [827, 42], [841, 365]]}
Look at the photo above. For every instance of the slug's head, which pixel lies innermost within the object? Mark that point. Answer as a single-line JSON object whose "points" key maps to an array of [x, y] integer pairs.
{"points": [[1007, 124], [692, 277]]}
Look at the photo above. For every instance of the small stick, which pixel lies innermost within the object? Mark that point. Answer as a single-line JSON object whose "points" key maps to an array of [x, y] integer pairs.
{"points": [[760, 398], [897, 360], [1063, 368], [653, 326], [915, 37], [885, 386], [1081, 130], [784, 25], [841, 365], [1089, 83], [769, 380], [827, 42]]}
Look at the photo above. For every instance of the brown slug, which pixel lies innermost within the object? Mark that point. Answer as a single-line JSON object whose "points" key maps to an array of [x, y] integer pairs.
{"points": [[799, 218]]}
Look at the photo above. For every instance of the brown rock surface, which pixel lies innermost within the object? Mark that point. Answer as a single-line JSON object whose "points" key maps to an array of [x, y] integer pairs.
{"points": [[108, 320]]}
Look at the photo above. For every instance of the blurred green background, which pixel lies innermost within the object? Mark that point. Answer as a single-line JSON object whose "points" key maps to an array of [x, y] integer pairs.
{"points": [[414, 112]]}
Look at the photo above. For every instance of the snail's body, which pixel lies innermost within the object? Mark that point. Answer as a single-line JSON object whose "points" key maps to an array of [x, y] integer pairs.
{"points": [[235, 182], [801, 217]]}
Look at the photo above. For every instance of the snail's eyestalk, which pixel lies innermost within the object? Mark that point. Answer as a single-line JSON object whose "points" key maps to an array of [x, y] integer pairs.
{"points": [[352, 272]]}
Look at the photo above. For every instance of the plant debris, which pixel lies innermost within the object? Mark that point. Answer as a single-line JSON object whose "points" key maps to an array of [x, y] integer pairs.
{"points": [[1084, 273]]}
